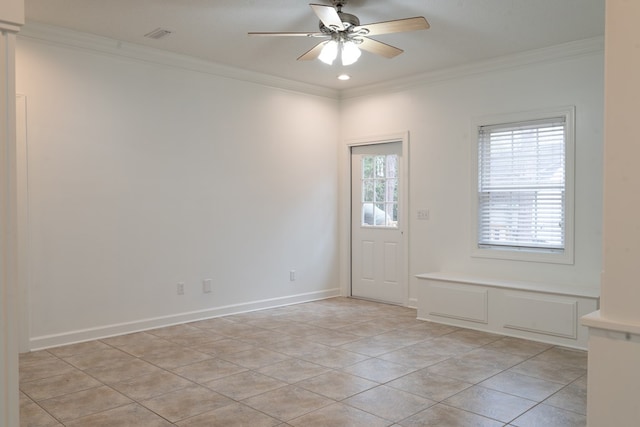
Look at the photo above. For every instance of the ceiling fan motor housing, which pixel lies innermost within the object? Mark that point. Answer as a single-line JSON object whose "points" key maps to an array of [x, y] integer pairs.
{"points": [[347, 19]]}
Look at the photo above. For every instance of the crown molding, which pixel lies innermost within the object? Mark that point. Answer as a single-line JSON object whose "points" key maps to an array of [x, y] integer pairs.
{"points": [[88, 42], [555, 53], [74, 39], [9, 27], [12, 15]]}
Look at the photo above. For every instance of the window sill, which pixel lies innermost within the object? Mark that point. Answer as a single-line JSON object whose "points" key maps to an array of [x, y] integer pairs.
{"points": [[565, 257]]}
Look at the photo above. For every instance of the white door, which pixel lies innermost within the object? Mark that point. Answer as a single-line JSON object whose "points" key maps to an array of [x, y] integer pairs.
{"points": [[376, 229]]}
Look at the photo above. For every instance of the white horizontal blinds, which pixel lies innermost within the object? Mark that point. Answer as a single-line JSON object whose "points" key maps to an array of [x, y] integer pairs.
{"points": [[521, 197]]}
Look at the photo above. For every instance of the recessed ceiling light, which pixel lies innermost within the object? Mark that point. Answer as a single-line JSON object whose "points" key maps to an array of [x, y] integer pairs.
{"points": [[344, 77]]}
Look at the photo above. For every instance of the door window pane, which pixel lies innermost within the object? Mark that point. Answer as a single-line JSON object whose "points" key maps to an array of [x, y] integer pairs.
{"points": [[380, 191]]}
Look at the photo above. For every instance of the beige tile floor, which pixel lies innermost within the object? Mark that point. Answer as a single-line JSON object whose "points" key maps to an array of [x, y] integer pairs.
{"points": [[336, 362]]}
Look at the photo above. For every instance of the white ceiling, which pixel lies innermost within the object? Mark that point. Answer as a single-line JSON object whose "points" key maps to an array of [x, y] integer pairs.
{"points": [[462, 31]]}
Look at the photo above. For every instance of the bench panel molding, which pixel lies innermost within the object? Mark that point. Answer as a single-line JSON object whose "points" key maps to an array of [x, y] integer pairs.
{"points": [[549, 315], [536, 311], [459, 302]]}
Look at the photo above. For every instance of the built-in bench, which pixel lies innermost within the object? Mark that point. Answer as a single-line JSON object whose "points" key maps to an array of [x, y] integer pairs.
{"points": [[536, 311]]}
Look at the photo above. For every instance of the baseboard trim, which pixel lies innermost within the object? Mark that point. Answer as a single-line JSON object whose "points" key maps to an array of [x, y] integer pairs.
{"points": [[89, 334]]}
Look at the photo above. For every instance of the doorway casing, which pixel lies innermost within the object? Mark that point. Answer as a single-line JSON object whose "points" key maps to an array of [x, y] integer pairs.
{"points": [[345, 206]]}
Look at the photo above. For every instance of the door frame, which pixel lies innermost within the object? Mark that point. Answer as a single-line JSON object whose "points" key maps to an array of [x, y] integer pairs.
{"points": [[345, 207]]}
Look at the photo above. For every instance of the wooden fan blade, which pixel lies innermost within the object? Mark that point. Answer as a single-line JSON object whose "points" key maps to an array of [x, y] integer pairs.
{"points": [[379, 48], [267, 34], [395, 26], [329, 16], [312, 53]]}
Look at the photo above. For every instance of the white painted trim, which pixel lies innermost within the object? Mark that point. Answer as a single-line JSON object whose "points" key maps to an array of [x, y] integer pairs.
{"points": [[547, 288], [12, 15], [506, 333], [565, 257], [9, 27], [527, 310], [89, 334], [84, 41], [9, 291], [22, 207], [595, 320], [556, 53], [345, 154]]}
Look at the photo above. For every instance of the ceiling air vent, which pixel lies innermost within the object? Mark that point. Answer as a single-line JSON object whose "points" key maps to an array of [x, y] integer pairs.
{"points": [[158, 33]]}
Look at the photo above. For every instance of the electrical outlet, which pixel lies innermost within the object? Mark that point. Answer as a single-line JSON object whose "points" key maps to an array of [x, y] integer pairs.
{"points": [[206, 285], [292, 276], [180, 288]]}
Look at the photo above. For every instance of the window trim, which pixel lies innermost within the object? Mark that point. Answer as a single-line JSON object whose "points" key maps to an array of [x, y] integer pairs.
{"points": [[565, 256]]}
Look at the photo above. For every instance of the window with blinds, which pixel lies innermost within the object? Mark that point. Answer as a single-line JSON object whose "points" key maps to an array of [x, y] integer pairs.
{"points": [[522, 181]]}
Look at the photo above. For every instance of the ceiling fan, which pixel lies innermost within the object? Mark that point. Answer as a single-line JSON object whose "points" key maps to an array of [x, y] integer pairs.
{"points": [[345, 34]]}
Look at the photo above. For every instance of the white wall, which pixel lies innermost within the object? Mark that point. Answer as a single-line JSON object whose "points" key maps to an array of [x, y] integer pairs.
{"points": [[144, 175], [438, 116]]}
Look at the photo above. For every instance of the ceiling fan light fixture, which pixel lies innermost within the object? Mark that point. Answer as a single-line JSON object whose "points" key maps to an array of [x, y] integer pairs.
{"points": [[329, 52], [350, 53]]}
